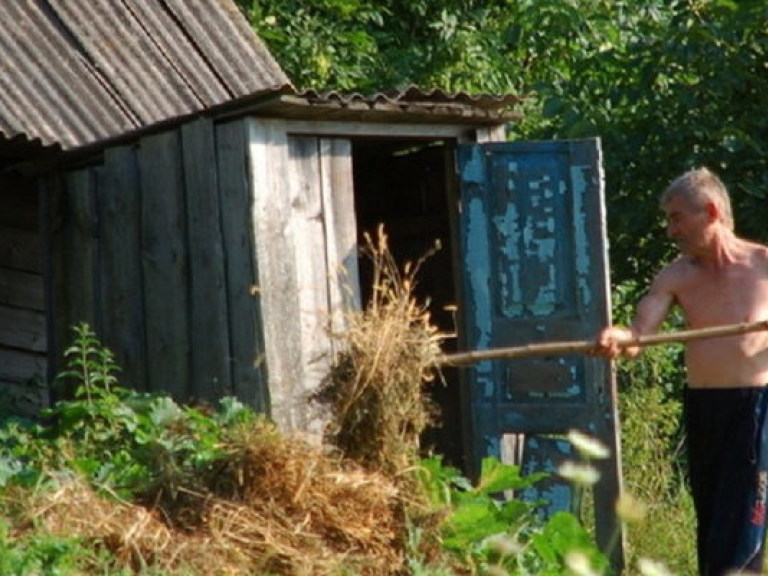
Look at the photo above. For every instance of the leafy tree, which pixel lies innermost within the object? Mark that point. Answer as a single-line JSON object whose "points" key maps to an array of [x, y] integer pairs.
{"points": [[666, 84]]}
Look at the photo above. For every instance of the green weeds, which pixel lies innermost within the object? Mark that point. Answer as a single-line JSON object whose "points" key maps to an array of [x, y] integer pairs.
{"points": [[489, 534]]}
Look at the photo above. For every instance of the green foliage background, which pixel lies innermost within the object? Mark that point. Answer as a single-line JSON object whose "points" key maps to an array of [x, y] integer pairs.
{"points": [[666, 84]]}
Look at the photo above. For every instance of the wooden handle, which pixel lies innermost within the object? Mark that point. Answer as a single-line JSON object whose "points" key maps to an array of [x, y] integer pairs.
{"points": [[584, 346]]}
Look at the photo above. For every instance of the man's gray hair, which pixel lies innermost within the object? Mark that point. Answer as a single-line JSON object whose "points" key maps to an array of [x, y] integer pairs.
{"points": [[700, 186]]}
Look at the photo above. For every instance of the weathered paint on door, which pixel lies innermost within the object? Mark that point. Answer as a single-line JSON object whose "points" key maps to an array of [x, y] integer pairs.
{"points": [[532, 234]]}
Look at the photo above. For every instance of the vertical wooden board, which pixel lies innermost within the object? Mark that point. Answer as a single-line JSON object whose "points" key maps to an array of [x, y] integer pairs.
{"points": [[248, 364], [211, 376], [53, 206], [338, 197], [277, 277], [164, 264], [120, 211], [307, 221], [82, 249]]}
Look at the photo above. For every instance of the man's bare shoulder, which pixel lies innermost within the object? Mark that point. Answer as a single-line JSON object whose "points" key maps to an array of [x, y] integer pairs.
{"points": [[758, 251], [676, 271], [755, 254]]}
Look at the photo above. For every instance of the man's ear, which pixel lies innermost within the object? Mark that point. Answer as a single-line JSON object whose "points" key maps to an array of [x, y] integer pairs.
{"points": [[713, 211]]}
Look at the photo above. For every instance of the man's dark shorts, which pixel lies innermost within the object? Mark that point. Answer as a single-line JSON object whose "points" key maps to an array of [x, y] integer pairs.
{"points": [[727, 436]]}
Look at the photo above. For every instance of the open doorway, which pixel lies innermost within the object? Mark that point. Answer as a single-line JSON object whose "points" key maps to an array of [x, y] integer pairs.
{"points": [[407, 186]]}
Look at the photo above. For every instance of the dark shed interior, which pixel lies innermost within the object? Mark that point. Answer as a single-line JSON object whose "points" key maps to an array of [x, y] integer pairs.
{"points": [[408, 186]]}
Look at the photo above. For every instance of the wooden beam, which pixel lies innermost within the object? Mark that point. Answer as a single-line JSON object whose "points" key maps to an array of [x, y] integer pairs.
{"points": [[462, 133]]}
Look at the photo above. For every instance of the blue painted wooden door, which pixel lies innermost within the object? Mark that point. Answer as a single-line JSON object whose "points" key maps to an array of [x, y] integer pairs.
{"points": [[532, 237]]}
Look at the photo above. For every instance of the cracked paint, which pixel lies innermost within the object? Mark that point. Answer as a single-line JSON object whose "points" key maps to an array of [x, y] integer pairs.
{"points": [[580, 230]]}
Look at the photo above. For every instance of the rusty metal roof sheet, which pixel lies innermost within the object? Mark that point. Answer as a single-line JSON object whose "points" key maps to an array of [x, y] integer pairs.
{"points": [[414, 94], [411, 104], [75, 72]]}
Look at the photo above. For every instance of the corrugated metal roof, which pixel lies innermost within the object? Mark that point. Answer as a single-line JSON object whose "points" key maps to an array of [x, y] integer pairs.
{"points": [[75, 72], [414, 94], [413, 98], [411, 104]]}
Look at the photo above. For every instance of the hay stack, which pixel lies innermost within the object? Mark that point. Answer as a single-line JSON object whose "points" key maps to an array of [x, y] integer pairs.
{"points": [[279, 506], [300, 509], [375, 389]]}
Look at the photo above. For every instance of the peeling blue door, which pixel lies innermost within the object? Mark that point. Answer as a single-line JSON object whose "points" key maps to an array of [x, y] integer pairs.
{"points": [[533, 244]]}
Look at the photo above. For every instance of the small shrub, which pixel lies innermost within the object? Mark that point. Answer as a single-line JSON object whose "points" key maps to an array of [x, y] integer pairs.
{"points": [[486, 533]]}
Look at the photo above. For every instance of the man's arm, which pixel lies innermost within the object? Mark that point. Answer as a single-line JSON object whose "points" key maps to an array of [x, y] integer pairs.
{"points": [[650, 313]]}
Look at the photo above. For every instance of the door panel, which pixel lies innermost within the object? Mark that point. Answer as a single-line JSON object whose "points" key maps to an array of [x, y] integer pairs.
{"points": [[532, 237]]}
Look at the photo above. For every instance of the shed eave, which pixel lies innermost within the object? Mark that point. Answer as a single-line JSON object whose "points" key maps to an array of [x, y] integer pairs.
{"points": [[291, 107]]}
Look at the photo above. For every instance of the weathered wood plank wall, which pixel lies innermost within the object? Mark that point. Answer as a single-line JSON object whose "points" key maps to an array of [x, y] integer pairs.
{"points": [[23, 338], [212, 258], [154, 249], [249, 373], [305, 235]]}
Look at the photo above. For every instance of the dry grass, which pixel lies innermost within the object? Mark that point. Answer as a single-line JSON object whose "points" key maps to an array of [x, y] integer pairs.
{"points": [[278, 506], [376, 386]]}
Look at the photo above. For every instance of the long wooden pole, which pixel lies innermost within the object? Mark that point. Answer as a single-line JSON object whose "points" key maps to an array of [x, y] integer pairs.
{"points": [[584, 346]]}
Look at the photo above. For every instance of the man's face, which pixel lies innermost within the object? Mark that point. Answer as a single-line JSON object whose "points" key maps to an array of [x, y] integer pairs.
{"points": [[687, 224]]}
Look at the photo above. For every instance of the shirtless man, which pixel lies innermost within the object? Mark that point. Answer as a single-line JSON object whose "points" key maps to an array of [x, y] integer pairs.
{"points": [[718, 279]]}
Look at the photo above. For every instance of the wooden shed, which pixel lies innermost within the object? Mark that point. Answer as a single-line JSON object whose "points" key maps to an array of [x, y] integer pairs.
{"points": [[162, 180]]}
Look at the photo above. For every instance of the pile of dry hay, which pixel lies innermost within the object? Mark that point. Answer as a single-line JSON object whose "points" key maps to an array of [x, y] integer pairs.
{"points": [[375, 389], [280, 505]]}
